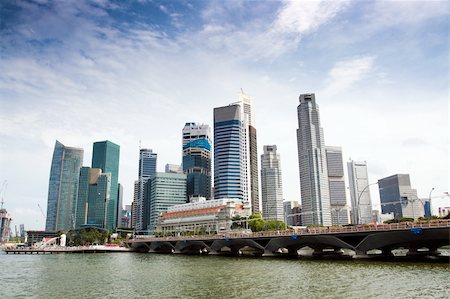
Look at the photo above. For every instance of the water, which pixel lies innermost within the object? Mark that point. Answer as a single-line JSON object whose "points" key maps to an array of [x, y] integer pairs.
{"points": [[133, 275]]}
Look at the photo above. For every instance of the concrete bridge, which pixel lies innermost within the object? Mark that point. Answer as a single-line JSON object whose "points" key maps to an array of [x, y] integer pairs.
{"points": [[419, 238]]}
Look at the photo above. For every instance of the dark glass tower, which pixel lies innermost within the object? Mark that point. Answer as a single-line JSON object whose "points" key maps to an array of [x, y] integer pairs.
{"points": [[63, 187], [229, 153], [197, 159], [105, 155]]}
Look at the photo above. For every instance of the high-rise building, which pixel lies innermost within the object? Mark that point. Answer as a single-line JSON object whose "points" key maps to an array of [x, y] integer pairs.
{"points": [[251, 151], [105, 155], [336, 184], [287, 210], [359, 192], [119, 204], [271, 184], [163, 191], [63, 187], [93, 198], [134, 205], [147, 169], [397, 196], [230, 158], [5, 229], [197, 159], [312, 164]]}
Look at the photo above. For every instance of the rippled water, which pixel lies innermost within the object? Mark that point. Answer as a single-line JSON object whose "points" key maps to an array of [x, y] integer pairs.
{"points": [[133, 275]]}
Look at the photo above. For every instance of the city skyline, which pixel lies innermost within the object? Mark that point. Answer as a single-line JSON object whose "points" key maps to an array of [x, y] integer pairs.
{"points": [[66, 66]]}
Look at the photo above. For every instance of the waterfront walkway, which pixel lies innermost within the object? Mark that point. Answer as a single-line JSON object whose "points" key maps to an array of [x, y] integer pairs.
{"points": [[73, 249]]}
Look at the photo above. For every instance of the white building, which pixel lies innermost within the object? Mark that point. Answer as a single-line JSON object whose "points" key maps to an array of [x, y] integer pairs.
{"points": [[312, 164], [336, 183], [271, 184], [201, 215], [359, 192]]}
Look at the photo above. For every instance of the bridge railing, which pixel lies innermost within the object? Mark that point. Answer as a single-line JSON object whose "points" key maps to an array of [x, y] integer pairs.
{"points": [[305, 231]]}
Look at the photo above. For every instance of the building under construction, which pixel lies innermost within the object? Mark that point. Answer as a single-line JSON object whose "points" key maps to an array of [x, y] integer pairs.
{"points": [[5, 231]]}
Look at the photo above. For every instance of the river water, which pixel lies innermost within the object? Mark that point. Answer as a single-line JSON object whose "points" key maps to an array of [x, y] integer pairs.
{"points": [[134, 275]]}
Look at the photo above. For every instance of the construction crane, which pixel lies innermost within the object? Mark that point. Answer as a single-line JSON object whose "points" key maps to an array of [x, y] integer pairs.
{"points": [[42, 211]]}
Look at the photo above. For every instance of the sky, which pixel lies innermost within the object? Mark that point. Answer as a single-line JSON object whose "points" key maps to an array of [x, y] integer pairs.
{"points": [[134, 72]]}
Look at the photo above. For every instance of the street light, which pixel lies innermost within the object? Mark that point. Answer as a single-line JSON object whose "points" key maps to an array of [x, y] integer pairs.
{"points": [[358, 210]]}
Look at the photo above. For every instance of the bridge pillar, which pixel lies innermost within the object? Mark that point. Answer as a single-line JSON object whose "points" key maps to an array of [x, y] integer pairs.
{"points": [[433, 251]]}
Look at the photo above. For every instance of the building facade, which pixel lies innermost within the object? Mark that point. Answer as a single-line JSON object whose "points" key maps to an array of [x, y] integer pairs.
{"points": [[271, 184], [230, 158], [147, 169], [314, 187], [251, 151], [359, 192], [397, 196], [63, 187], [163, 190], [336, 184], [202, 216], [197, 156], [105, 155], [5, 222], [93, 198]]}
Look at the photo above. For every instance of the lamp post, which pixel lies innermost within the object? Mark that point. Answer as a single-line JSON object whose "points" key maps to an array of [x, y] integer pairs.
{"points": [[358, 209]]}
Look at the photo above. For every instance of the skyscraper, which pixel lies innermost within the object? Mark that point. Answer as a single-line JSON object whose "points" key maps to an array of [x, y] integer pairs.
{"points": [[359, 192], [93, 198], [397, 196], [271, 184], [147, 168], [105, 155], [163, 190], [251, 151], [312, 164], [63, 187], [197, 159], [336, 184], [229, 153]]}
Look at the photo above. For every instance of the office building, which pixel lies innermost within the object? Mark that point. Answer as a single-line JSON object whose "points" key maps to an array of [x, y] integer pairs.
{"points": [[336, 184], [427, 208], [287, 211], [312, 164], [147, 169], [119, 204], [397, 196], [271, 184], [163, 190], [230, 159], [197, 159], [63, 187], [105, 155], [359, 192], [93, 198], [251, 151], [134, 206]]}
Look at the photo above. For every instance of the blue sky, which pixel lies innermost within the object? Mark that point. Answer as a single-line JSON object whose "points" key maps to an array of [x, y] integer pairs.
{"points": [[85, 71]]}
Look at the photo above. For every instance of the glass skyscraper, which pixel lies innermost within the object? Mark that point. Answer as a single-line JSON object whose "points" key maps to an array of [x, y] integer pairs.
{"points": [[105, 155], [147, 169], [163, 191], [93, 197], [63, 187], [197, 159], [312, 164], [229, 153]]}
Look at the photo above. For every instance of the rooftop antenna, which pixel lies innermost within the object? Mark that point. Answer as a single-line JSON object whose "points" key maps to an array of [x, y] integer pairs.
{"points": [[242, 91], [139, 144]]}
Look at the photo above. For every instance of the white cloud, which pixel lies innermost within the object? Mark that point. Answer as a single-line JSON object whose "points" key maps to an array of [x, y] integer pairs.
{"points": [[346, 73]]}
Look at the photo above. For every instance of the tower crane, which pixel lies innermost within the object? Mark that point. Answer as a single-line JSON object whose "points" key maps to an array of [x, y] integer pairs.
{"points": [[42, 211]]}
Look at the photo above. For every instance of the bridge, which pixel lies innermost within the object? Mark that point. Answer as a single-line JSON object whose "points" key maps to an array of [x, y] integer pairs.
{"points": [[364, 241]]}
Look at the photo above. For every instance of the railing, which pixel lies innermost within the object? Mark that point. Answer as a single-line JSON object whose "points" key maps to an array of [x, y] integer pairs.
{"points": [[305, 231]]}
